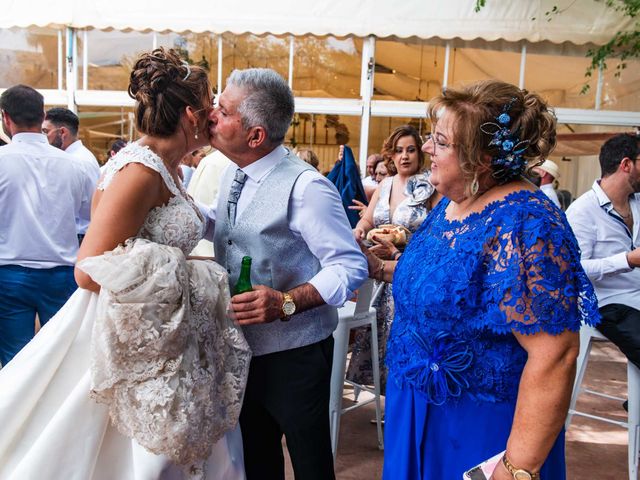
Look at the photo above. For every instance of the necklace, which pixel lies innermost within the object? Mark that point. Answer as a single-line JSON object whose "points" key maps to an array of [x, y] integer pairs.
{"points": [[626, 217]]}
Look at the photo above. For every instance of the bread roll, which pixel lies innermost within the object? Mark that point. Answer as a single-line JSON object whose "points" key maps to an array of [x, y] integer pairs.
{"points": [[396, 234]]}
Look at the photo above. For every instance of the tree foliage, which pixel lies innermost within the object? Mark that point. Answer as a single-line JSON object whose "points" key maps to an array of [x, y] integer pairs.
{"points": [[623, 45]]}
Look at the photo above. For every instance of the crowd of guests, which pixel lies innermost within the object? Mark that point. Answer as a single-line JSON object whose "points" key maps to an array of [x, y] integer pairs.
{"points": [[480, 302]]}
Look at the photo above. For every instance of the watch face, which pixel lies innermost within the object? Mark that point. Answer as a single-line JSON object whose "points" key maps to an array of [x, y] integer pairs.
{"points": [[289, 308], [521, 475]]}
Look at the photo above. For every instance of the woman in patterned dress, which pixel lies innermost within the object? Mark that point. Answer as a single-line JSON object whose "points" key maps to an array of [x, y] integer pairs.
{"points": [[403, 199]]}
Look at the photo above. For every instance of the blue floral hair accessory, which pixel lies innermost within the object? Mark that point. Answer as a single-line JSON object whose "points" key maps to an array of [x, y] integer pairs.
{"points": [[508, 164]]}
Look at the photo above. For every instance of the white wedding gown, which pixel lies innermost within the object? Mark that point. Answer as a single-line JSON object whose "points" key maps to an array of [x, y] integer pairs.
{"points": [[111, 372]]}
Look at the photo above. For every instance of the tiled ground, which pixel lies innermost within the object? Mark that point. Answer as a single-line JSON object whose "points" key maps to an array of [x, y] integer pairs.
{"points": [[595, 450]]}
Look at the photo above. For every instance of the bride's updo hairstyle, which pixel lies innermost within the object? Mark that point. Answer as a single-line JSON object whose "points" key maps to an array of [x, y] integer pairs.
{"points": [[163, 85], [497, 127]]}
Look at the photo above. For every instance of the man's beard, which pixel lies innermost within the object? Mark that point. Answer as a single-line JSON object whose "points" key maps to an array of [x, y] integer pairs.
{"points": [[5, 127], [57, 141]]}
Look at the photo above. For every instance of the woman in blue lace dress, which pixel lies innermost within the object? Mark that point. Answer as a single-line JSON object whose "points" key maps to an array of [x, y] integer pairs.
{"points": [[489, 297]]}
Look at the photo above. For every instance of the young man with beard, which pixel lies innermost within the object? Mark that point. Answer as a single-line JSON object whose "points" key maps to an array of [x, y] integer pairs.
{"points": [[61, 128], [606, 222]]}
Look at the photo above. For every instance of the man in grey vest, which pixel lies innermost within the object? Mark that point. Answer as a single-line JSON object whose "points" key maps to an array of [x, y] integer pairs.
{"points": [[289, 219]]}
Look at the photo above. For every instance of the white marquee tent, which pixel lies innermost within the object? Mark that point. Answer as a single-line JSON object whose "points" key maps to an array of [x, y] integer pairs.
{"points": [[387, 39], [511, 20]]}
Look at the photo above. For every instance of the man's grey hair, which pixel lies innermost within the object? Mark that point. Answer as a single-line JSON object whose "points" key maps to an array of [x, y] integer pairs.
{"points": [[269, 102]]}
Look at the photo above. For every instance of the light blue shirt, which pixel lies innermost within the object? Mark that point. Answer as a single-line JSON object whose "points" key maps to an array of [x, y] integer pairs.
{"points": [[42, 190]]}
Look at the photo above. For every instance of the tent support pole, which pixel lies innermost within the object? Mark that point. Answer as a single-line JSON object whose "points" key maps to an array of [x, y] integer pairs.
{"points": [[291, 53], [60, 59], [447, 56], [523, 62], [219, 64], [599, 88], [70, 71], [85, 60], [366, 91]]}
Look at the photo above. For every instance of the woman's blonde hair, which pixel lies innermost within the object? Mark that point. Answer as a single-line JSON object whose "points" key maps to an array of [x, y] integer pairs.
{"points": [[531, 121], [389, 147]]}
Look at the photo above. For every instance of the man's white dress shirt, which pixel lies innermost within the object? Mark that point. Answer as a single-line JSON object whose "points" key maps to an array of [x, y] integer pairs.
{"points": [[605, 240], [550, 192], [204, 189], [92, 168], [369, 182], [317, 215], [41, 192]]}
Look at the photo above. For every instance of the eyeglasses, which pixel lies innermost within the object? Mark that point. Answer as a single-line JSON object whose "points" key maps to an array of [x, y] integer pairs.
{"points": [[437, 143]]}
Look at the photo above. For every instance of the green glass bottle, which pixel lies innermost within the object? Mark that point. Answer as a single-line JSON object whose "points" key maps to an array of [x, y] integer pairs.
{"points": [[244, 280]]}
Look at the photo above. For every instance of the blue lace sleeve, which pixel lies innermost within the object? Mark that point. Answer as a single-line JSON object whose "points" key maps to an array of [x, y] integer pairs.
{"points": [[535, 279]]}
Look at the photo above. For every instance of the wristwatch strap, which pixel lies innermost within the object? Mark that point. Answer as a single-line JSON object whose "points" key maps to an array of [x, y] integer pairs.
{"points": [[519, 473]]}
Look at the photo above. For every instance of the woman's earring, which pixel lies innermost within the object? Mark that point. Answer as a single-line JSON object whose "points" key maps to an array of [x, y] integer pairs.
{"points": [[475, 186], [195, 127]]}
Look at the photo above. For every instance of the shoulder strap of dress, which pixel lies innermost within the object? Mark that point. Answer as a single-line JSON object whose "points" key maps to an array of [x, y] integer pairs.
{"points": [[135, 153]]}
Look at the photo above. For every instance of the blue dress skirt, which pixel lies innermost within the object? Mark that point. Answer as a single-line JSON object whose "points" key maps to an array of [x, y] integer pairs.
{"points": [[422, 440]]}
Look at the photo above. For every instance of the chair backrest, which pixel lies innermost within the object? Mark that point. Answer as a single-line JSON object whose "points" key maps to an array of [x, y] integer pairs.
{"points": [[588, 332], [364, 297], [565, 198]]}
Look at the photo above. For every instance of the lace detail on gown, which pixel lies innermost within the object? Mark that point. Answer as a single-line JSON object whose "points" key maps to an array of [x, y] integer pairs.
{"points": [[165, 358], [179, 222]]}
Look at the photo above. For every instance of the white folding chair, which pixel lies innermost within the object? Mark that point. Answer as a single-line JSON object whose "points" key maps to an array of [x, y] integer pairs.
{"points": [[587, 336], [353, 315]]}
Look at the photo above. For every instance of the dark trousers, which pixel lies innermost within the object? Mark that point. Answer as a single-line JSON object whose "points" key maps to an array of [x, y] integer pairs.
{"points": [[288, 394], [621, 325], [25, 292]]}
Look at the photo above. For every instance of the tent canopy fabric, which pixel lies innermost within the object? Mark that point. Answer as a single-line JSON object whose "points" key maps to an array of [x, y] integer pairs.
{"points": [[587, 21]]}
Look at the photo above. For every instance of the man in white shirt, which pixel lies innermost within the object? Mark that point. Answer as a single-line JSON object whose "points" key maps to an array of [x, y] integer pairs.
{"points": [[280, 211], [204, 189], [61, 128], [41, 192], [370, 179], [549, 174], [369, 182], [606, 222]]}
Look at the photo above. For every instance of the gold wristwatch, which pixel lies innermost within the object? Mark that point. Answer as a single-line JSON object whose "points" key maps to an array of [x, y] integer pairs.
{"points": [[519, 473], [288, 307]]}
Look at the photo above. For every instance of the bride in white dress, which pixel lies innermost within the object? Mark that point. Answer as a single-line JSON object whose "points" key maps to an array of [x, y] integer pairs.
{"points": [[140, 375]]}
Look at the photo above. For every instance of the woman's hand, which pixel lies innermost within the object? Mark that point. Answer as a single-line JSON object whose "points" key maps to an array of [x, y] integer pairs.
{"points": [[373, 262], [360, 233], [384, 249], [358, 205]]}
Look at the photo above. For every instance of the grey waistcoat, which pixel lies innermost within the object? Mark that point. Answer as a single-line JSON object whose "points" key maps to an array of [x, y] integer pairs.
{"points": [[280, 259]]}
